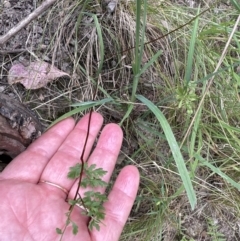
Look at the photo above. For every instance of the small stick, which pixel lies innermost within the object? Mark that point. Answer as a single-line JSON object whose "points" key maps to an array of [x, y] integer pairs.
{"points": [[16, 51], [12, 51], [38, 11]]}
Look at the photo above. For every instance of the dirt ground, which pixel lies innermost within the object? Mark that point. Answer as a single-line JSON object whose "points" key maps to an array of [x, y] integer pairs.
{"points": [[36, 42]]}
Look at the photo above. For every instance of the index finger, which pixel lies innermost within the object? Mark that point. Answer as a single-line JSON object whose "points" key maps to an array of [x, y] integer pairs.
{"points": [[30, 163]]}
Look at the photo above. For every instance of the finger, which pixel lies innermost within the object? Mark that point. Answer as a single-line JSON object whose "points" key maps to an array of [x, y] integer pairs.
{"points": [[104, 155], [70, 151], [30, 163], [119, 205]]}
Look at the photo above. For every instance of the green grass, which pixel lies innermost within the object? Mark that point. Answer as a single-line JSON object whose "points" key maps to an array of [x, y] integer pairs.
{"points": [[176, 97]]}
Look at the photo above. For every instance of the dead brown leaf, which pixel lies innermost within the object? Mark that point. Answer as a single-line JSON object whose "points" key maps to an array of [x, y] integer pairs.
{"points": [[37, 75]]}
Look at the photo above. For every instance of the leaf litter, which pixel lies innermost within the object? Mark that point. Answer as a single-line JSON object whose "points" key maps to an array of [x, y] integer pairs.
{"points": [[37, 75]]}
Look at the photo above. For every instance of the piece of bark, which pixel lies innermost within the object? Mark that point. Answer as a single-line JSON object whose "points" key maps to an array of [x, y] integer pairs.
{"points": [[11, 143], [19, 126]]}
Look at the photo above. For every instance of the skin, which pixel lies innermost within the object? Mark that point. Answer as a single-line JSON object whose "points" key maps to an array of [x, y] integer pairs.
{"points": [[32, 211]]}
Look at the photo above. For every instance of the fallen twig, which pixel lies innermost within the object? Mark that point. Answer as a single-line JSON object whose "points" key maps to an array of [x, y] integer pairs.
{"points": [[38, 11], [17, 51]]}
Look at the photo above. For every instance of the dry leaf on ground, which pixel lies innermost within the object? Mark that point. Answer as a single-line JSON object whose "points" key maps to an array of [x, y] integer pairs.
{"points": [[112, 5], [37, 75]]}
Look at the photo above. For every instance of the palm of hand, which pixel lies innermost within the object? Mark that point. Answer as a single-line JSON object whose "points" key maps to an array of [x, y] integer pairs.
{"points": [[34, 213], [32, 210]]}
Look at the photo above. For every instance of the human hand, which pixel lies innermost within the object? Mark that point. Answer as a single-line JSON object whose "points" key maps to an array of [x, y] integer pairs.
{"points": [[32, 210]]}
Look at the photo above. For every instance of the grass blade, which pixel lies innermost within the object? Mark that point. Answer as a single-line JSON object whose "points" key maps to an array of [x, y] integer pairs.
{"points": [[140, 34], [174, 148], [83, 106], [93, 103], [217, 171], [139, 47], [101, 44], [188, 72], [149, 63], [142, 30], [235, 4]]}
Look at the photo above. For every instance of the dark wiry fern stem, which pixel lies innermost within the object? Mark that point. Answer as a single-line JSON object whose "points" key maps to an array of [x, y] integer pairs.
{"points": [[82, 162]]}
